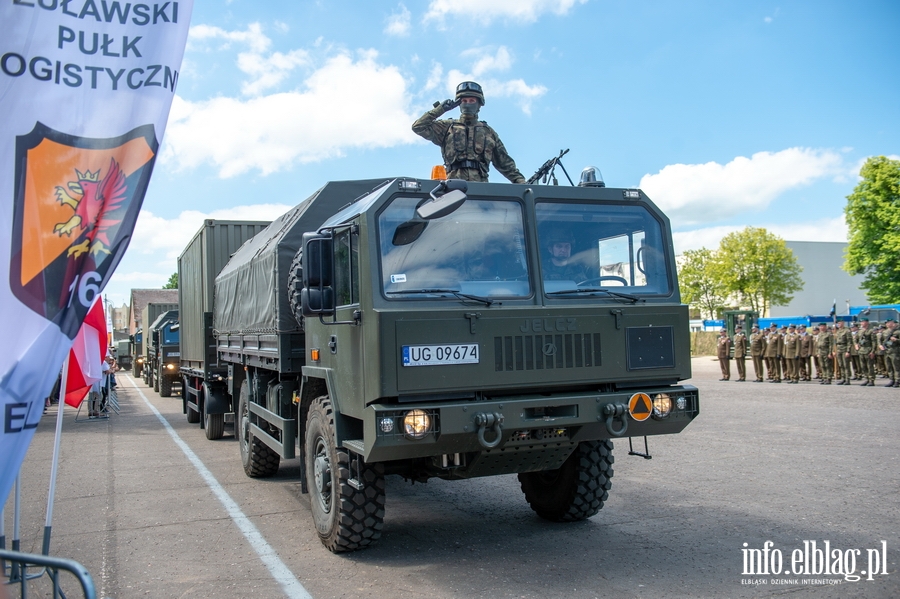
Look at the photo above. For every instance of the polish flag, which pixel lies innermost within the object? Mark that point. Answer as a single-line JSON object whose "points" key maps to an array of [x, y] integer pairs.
{"points": [[86, 355]]}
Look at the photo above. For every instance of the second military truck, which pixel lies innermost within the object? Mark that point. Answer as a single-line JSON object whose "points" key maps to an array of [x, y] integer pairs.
{"points": [[442, 329]]}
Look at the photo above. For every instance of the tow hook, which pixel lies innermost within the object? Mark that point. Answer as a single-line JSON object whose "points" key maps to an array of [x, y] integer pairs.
{"points": [[615, 412], [492, 421]]}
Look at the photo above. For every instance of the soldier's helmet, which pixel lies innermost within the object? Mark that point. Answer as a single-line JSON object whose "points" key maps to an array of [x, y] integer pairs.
{"points": [[470, 89], [559, 235]]}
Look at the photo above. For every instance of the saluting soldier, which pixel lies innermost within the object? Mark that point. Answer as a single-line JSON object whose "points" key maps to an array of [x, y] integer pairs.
{"points": [[806, 350], [774, 347], [825, 351], [740, 352], [881, 363], [723, 351], [791, 354], [757, 347], [892, 352], [866, 344]]}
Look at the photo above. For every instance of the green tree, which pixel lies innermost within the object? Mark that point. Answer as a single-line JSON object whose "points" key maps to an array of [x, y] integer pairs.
{"points": [[873, 223], [758, 268], [173, 282], [699, 283]]}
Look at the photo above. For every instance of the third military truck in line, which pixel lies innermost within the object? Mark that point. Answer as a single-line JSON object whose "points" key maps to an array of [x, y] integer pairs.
{"points": [[427, 328]]}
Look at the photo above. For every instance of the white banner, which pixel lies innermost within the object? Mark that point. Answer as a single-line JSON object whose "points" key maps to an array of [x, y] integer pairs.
{"points": [[85, 91]]}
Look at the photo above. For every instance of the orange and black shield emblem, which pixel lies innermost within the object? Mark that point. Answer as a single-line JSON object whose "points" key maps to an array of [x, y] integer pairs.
{"points": [[76, 202]]}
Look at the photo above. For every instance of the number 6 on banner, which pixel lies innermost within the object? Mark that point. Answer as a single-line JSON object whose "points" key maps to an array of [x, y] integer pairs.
{"points": [[87, 288]]}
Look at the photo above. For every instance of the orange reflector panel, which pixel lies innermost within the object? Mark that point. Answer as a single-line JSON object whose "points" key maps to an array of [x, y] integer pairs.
{"points": [[640, 407]]}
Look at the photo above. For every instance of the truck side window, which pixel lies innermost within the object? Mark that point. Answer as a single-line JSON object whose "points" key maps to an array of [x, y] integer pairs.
{"points": [[346, 267]]}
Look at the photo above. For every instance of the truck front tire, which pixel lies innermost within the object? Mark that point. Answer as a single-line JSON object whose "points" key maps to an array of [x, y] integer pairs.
{"points": [[577, 489], [213, 424], [165, 386], [259, 460], [346, 518]]}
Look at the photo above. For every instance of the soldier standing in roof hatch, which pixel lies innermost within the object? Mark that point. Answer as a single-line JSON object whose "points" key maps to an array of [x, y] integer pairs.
{"points": [[469, 146]]}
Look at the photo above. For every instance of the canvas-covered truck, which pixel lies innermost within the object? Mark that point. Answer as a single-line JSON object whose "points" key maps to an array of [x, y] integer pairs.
{"points": [[136, 344], [442, 329], [163, 351], [123, 354], [203, 258]]}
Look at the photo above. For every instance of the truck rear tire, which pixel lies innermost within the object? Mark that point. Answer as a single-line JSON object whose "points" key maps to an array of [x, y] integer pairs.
{"points": [[346, 518], [165, 386], [213, 424], [259, 460], [577, 489]]}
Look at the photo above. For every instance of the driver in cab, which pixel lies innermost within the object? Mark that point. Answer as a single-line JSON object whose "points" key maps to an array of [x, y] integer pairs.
{"points": [[558, 264]]}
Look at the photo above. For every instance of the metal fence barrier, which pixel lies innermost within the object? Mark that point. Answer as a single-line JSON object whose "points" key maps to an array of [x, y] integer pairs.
{"points": [[21, 568]]}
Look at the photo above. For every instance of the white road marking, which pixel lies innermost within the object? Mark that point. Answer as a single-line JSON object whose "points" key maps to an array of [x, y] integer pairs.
{"points": [[289, 583]]}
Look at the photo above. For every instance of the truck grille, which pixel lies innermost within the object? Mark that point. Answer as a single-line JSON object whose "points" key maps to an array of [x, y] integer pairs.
{"points": [[546, 352]]}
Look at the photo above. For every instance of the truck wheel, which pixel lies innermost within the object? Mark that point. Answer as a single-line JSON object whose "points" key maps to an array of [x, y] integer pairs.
{"points": [[165, 386], [213, 424], [155, 381], [192, 416], [346, 518], [577, 489], [258, 458]]}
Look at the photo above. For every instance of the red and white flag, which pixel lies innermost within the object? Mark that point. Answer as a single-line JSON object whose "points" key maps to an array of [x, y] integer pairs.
{"points": [[85, 93], [86, 356]]}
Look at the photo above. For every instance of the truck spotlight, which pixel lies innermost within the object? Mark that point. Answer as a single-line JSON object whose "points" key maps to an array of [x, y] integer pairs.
{"points": [[662, 405], [681, 402], [386, 425], [416, 424]]}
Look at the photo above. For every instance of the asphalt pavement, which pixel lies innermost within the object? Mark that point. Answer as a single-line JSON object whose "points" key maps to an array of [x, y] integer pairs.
{"points": [[763, 478]]}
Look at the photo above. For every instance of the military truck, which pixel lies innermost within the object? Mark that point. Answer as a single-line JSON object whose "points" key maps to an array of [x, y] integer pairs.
{"points": [[427, 328], [163, 353], [123, 354], [203, 258], [149, 315], [136, 345]]}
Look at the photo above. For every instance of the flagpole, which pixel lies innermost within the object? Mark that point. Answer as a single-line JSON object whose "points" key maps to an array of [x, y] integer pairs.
{"points": [[48, 525]]}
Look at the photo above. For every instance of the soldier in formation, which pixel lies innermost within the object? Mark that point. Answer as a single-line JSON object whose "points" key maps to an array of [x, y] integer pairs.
{"points": [[741, 344], [774, 348], [757, 347], [825, 351], [866, 345], [723, 351], [843, 339]]}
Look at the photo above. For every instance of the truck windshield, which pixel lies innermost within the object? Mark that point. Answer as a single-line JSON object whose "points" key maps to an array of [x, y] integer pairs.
{"points": [[601, 246], [478, 250]]}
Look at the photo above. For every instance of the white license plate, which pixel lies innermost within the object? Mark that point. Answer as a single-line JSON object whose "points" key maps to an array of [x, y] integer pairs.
{"points": [[439, 355]]}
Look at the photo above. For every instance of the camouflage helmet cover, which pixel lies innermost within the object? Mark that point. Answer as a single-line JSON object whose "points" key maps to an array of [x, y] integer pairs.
{"points": [[470, 89]]}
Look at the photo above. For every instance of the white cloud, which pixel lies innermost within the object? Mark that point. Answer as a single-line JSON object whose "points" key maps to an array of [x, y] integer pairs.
{"points": [[479, 11], [270, 133], [265, 70], [827, 229], [486, 61], [694, 193], [399, 23]]}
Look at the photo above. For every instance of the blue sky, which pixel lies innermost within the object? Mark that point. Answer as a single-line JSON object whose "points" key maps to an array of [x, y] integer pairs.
{"points": [[726, 114]]}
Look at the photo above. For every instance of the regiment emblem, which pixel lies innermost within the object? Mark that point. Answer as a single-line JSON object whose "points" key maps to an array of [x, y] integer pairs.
{"points": [[76, 201]]}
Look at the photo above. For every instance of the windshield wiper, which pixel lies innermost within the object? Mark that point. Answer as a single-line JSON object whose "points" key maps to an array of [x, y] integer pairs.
{"points": [[475, 298], [626, 296]]}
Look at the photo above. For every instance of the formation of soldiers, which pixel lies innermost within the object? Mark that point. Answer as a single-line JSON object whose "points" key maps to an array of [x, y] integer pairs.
{"points": [[859, 352]]}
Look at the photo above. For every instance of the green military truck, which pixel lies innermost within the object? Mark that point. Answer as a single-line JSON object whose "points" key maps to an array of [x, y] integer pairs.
{"points": [[136, 345], [163, 353], [203, 258], [149, 316], [123, 354], [451, 330]]}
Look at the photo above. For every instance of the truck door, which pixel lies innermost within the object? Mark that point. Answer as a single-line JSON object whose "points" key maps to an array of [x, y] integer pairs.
{"points": [[346, 342]]}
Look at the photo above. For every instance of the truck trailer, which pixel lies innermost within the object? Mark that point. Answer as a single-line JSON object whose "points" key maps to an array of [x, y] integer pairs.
{"points": [[447, 329]]}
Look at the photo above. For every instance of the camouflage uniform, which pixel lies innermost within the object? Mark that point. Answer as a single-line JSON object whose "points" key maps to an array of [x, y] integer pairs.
{"points": [[866, 344], [791, 354], [774, 347], [825, 351], [807, 348], [757, 348], [740, 354], [469, 146], [843, 339], [892, 352], [723, 351]]}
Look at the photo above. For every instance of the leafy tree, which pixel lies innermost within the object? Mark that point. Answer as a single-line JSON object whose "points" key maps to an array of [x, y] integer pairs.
{"points": [[758, 267], [698, 281], [173, 282], [873, 223]]}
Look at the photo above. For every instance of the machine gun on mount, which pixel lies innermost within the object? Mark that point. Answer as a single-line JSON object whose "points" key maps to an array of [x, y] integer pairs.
{"points": [[547, 172]]}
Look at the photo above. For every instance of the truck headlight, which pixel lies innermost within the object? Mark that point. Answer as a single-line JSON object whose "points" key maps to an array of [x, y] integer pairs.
{"points": [[170, 367], [416, 424], [662, 405]]}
